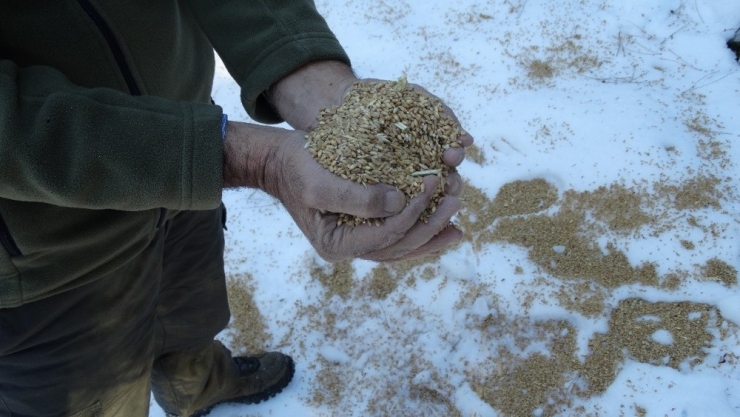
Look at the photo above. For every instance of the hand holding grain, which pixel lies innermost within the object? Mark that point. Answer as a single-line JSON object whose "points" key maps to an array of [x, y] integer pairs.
{"points": [[389, 133], [314, 197], [276, 161], [300, 96]]}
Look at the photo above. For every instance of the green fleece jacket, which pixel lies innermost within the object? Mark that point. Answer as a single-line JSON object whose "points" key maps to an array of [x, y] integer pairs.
{"points": [[106, 122]]}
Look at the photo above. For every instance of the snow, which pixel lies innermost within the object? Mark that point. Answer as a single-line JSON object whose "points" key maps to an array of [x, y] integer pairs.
{"points": [[663, 336], [664, 391], [664, 67]]}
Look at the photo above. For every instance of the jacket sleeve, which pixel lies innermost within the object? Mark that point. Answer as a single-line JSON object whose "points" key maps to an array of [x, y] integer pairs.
{"points": [[99, 148], [261, 41]]}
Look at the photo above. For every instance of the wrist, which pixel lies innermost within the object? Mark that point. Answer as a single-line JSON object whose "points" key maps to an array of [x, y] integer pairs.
{"points": [[302, 94], [250, 156]]}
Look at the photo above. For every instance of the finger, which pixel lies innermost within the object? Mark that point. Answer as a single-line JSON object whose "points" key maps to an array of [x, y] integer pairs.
{"points": [[454, 184], [465, 140], [453, 157], [449, 236], [421, 233], [365, 238], [329, 192]]}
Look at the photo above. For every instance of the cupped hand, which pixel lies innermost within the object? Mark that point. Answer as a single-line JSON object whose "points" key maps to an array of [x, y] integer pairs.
{"points": [[313, 196], [451, 157], [300, 96]]}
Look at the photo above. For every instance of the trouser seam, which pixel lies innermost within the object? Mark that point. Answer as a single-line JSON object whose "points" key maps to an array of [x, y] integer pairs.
{"points": [[164, 373], [4, 404]]}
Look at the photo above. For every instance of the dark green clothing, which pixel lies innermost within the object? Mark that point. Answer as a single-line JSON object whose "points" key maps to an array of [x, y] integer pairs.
{"points": [[111, 247], [98, 348], [105, 120]]}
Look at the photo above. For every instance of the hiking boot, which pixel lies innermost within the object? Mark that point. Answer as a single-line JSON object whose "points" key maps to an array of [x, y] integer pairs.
{"points": [[262, 377]]}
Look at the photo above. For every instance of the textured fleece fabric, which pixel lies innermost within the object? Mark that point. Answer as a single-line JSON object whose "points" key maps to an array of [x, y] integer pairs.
{"points": [[106, 121]]}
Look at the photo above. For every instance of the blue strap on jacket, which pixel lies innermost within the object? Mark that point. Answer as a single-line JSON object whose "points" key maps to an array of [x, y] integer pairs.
{"points": [[224, 120]]}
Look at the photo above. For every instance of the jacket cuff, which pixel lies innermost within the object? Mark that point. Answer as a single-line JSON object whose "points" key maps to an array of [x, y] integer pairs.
{"points": [[202, 174]]}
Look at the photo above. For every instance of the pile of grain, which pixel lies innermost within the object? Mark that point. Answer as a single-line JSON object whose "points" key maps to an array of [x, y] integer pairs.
{"points": [[385, 132]]}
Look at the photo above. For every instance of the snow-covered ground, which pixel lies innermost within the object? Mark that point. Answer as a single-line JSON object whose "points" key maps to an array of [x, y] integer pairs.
{"points": [[599, 272]]}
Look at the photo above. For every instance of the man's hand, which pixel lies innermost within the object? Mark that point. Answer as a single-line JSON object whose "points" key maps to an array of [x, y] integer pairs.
{"points": [[300, 96], [276, 161]]}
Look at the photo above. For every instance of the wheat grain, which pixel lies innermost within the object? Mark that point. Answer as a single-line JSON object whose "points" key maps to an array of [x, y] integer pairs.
{"points": [[386, 132]]}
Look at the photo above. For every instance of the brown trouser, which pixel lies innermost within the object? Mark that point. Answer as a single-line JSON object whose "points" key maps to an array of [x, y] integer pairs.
{"points": [[99, 349]]}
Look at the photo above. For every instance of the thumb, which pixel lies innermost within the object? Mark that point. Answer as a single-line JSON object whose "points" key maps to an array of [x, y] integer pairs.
{"points": [[334, 194]]}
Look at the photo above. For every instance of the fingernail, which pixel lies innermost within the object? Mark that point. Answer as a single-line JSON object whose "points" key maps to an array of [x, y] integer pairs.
{"points": [[394, 202]]}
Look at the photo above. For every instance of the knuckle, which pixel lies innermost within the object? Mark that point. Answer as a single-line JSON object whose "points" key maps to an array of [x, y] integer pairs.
{"points": [[327, 255], [325, 243], [366, 203], [328, 248], [374, 205]]}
